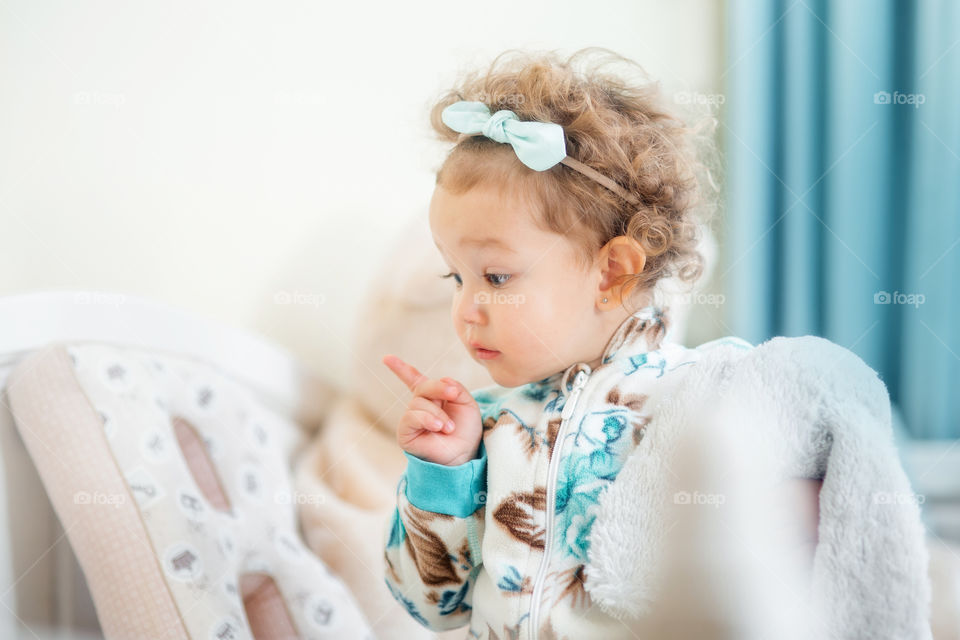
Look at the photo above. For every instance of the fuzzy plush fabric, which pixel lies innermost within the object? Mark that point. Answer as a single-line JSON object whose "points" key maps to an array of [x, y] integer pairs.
{"points": [[789, 408]]}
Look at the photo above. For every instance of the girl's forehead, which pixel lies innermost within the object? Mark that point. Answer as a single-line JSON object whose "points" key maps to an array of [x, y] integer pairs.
{"points": [[482, 205], [488, 245], [479, 218], [550, 252], [489, 223]]}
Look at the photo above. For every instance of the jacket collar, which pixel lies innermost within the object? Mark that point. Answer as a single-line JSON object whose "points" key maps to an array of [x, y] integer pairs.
{"points": [[640, 332]]}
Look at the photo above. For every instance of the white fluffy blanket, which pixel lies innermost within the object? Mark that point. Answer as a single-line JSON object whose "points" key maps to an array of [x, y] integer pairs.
{"points": [[691, 523]]}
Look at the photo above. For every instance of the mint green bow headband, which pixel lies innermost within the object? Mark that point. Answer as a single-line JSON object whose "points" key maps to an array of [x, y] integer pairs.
{"points": [[539, 145]]}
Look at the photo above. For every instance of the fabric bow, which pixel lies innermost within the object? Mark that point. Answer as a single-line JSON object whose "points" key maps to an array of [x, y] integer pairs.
{"points": [[539, 145]]}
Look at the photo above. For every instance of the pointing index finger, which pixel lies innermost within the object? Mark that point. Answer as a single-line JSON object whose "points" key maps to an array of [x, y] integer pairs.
{"points": [[406, 372]]}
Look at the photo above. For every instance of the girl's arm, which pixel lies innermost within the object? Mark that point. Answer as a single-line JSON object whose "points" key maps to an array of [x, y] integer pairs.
{"points": [[432, 552]]}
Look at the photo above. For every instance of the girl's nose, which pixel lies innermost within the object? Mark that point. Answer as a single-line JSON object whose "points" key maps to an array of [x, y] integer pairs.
{"points": [[471, 308]]}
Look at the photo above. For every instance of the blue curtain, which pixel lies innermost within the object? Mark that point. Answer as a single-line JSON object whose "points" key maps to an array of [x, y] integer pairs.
{"points": [[841, 137]]}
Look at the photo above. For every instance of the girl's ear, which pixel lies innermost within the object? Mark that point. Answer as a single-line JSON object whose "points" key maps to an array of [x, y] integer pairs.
{"points": [[619, 259]]}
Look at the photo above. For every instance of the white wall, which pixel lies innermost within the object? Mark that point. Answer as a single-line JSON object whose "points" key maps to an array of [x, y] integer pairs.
{"points": [[214, 155]]}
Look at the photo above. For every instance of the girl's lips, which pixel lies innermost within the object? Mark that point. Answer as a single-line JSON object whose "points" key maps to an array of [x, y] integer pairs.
{"points": [[486, 354]]}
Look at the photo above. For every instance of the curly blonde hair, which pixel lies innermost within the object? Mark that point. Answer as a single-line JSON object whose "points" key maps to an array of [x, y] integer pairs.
{"points": [[616, 125]]}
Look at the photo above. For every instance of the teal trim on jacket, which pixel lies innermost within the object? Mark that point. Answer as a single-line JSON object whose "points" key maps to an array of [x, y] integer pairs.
{"points": [[456, 490]]}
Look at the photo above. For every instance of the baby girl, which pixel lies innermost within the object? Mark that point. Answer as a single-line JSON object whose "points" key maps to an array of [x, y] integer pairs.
{"points": [[569, 193]]}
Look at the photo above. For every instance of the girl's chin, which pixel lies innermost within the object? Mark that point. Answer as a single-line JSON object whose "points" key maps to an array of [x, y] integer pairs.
{"points": [[508, 379]]}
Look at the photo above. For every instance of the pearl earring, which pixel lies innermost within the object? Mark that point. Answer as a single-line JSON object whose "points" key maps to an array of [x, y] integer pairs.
{"points": [[604, 299]]}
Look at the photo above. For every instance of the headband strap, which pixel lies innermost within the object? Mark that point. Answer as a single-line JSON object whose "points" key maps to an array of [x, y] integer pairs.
{"points": [[538, 145]]}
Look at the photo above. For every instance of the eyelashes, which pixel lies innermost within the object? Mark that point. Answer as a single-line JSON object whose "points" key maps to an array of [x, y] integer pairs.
{"points": [[493, 278], [452, 275]]}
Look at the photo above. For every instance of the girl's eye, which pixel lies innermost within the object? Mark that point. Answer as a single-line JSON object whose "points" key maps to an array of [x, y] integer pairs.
{"points": [[455, 276], [493, 278]]}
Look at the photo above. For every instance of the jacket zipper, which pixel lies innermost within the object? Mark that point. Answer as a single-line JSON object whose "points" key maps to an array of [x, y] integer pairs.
{"points": [[578, 383]]}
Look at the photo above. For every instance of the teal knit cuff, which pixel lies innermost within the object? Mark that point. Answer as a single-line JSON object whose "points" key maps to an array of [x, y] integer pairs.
{"points": [[456, 490]]}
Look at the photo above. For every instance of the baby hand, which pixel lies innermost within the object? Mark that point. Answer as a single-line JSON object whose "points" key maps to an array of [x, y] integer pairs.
{"points": [[442, 422]]}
